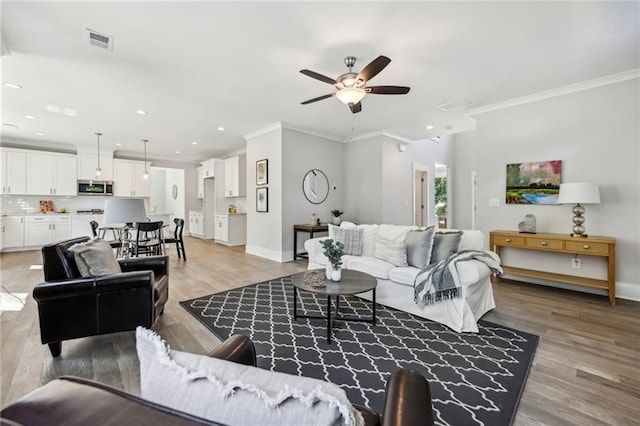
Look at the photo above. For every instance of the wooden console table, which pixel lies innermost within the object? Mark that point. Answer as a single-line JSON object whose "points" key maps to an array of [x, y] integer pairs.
{"points": [[560, 243], [311, 230]]}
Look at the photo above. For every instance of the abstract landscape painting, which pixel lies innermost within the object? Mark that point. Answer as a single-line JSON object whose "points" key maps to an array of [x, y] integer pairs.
{"points": [[533, 183]]}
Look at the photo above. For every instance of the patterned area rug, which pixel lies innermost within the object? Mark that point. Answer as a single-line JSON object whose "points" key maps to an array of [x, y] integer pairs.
{"points": [[474, 378]]}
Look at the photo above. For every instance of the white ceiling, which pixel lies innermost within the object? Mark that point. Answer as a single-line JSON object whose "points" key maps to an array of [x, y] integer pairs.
{"points": [[197, 66]]}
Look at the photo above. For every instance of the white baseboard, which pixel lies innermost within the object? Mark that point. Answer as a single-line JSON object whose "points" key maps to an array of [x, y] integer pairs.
{"points": [[627, 291], [266, 253]]}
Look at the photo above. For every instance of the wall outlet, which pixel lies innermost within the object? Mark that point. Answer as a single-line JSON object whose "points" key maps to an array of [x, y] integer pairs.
{"points": [[494, 202], [576, 263]]}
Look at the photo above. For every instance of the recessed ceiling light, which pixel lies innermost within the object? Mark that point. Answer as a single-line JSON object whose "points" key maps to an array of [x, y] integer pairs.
{"points": [[141, 112], [9, 124], [40, 134], [221, 129], [118, 144], [70, 112], [13, 85], [429, 127], [194, 143], [177, 152], [53, 108], [29, 117]]}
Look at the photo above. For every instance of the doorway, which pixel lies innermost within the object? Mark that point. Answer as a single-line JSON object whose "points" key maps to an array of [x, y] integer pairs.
{"points": [[441, 185], [167, 192], [420, 195]]}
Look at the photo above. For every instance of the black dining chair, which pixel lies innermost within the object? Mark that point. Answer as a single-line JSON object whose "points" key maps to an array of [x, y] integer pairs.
{"points": [[177, 238], [115, 244], [149, 239]]}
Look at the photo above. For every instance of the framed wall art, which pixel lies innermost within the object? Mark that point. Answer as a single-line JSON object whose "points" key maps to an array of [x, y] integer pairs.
{"points": [[533, 183], [262, 172], [262, 200]]}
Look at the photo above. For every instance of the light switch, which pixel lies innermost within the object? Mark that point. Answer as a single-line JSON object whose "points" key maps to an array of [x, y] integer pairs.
{"points": [[494, 202]]}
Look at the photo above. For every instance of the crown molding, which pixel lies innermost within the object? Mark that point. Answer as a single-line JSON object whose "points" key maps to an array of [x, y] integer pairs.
{"points": [[559, 91], [313, 133], [262, 131], [370, 135]]}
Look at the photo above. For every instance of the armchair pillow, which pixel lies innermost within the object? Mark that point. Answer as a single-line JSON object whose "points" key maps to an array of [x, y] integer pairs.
{"points": [[419, 245], [392, 251], [95, 258], [445, 245], [236, 394]]}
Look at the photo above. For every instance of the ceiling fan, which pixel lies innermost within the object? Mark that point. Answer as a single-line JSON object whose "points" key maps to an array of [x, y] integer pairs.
{"points": [[352, 87]]}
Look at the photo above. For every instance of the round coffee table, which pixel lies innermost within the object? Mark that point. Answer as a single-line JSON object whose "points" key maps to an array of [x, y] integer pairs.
{"points": [[352, 282]]}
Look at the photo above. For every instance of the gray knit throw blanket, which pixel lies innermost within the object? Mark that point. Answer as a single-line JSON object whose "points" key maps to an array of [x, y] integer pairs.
{"points": [[440, 281]]}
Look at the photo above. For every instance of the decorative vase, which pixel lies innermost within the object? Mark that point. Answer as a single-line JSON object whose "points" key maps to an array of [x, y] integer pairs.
{"points": [[336, 220], [336, 274], [314, 220], [328, 271]]}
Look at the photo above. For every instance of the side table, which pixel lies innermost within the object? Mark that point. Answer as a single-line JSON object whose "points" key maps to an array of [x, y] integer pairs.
{"points": [[311, 230]]}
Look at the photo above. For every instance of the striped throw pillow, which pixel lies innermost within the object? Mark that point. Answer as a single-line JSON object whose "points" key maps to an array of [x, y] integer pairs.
{"points": [[351, 238]]}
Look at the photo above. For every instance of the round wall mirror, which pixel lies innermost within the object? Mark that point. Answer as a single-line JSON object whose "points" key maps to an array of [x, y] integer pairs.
{"points": [[174, 191], [315, 186]]}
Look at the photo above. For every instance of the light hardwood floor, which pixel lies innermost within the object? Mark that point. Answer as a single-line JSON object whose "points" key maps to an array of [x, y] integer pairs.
{"points": [[586, 369]]}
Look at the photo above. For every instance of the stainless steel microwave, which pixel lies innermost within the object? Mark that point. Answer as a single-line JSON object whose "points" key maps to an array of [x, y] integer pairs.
{"points": [[95, 187]]}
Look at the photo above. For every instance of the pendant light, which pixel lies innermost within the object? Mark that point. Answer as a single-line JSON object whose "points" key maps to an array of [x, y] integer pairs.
{"points": [[98, 169], [145, 175]]}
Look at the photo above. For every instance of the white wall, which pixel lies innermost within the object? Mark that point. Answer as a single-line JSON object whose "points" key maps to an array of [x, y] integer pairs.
{"points": [[302, 152], [595, 134], [264, 230]]}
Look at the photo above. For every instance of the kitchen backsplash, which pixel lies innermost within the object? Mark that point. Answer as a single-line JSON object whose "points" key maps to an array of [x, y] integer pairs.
{"points": [[29, 204]]}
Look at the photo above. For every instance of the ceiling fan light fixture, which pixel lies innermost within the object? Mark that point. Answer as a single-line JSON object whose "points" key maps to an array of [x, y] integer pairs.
{"points": [[350, 95]]}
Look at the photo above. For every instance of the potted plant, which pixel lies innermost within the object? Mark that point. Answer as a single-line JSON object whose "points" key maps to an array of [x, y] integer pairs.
{"points": [[336, 216], [333, 250]]}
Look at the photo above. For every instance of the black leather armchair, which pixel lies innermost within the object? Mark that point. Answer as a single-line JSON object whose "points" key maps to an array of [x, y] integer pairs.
{"points": [[70, 306], [73, 401]]}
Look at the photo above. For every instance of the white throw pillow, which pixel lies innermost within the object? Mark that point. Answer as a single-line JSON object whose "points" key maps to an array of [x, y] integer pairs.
{"points": [[236, 394], [95, 258], [392, 251]]}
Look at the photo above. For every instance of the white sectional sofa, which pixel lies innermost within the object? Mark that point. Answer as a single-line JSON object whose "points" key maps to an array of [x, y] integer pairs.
{"points": [[395, 284]]}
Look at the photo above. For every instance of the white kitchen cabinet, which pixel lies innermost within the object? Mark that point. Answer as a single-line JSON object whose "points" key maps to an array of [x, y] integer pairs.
{"points": [[51, 173], [13, 173], [196, 224], [128, 180], [88, 163], [208, 168], [200, 181], [235, 176], [231, 229], [12, 228], [41, 230]]}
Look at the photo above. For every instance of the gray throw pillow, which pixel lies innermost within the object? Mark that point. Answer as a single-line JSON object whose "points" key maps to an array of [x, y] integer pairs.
{"points": [[445, 245], [236, 394], [351, 238], [95, 258], [419, 244], [392, 251]]}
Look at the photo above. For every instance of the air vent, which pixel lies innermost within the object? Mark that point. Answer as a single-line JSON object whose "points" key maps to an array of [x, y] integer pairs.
{"points": [[99, 40]]}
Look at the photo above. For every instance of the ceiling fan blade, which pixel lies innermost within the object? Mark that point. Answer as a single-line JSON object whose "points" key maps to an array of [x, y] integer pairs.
{"points": [[374, 68], [355, 107], [319, 98], [317, 76], [387, 90]]}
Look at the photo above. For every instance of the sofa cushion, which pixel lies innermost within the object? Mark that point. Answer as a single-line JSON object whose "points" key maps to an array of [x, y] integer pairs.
{"points": [[394, 232], [445, 245], [95, 258], [230, 393], [406, 275], [419, 244], [392, 251], [472, 240], [371, 265], [369, 238], [351, 238]]}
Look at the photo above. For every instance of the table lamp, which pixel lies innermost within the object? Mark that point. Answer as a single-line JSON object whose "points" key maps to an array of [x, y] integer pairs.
{"points": [[578, 193]]}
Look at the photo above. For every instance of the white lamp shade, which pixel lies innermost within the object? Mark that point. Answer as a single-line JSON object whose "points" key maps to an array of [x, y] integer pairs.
{"points": [[350, 95], [579, 193], [124, 210]]}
